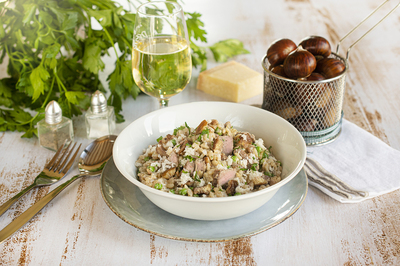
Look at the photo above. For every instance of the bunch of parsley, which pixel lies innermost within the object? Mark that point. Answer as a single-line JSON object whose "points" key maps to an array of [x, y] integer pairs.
{"points": [[54, 53]]}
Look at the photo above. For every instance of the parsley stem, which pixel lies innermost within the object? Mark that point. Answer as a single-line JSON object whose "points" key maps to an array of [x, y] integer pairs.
{"points": [[48, 94], [112, 42]]}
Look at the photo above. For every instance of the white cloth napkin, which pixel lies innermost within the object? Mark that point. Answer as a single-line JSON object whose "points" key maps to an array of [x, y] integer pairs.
{"points": [[361, 160]]}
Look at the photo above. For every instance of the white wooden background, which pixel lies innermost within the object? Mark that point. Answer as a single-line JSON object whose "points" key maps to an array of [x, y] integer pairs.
{"points": [[78, 228]]}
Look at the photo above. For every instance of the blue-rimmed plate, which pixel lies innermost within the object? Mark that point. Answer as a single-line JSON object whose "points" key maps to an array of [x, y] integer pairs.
{"points": [[129, 204]]}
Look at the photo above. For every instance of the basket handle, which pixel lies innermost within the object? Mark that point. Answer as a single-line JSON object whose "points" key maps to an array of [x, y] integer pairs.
{"points": [[356, 27]]}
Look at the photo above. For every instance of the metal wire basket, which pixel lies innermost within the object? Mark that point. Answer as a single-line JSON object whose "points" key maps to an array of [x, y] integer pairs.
{"points": [[313, 107]]}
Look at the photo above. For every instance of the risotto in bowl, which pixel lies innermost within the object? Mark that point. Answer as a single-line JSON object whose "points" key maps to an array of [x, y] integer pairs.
{"points": [[209, 160]]}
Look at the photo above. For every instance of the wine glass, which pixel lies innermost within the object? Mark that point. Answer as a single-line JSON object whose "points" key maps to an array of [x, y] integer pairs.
{"points": [[161, 60]]}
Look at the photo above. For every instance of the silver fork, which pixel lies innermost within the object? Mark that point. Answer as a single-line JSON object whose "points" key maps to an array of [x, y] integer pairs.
{"points": [[52, 172], [316, 173]]}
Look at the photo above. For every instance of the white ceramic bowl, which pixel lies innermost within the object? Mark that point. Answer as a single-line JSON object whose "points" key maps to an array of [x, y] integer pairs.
{"points": [[287, 144]]}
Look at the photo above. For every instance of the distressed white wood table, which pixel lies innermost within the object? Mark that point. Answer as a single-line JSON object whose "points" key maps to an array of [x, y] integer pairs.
{"points": [[78, 228]]}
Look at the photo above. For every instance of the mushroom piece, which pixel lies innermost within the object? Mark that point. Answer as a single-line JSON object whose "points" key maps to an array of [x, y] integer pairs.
{"points": [[201, 126], [203, 190], [167, 174], [231, 189]]}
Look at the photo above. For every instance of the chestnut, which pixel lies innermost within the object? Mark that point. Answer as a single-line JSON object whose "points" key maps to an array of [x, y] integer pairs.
{"points": [[288, 113], [286, 109], [330, 117], [279, 50], [305, 124], [324, 98], [279, 71], [330, 67], [315, 77], [299, 64], [306, 94], [316, 45]]}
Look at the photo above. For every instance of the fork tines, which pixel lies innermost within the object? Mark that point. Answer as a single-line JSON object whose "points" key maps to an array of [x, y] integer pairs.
{"points": [[59, 163]]}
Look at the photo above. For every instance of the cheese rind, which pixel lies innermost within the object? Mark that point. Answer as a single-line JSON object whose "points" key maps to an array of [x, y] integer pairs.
{"points": [[232, 81]]}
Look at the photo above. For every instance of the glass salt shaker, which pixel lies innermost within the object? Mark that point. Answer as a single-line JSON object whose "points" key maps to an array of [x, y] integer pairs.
{"points": [[54, 130], [99, 118]]}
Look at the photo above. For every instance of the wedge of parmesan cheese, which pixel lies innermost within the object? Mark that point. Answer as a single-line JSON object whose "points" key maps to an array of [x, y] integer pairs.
{"points": [[232, 81]]}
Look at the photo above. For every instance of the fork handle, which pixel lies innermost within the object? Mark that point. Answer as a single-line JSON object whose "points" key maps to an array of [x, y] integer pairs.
{"points": [[18, 222], [8, 203]]}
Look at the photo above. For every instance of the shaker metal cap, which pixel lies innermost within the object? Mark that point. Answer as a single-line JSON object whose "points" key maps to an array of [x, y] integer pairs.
{"points": [[53, 113], [99, 102]]}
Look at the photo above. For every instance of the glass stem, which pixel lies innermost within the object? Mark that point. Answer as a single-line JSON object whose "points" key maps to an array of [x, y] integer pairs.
{"points": [[163, 103]]}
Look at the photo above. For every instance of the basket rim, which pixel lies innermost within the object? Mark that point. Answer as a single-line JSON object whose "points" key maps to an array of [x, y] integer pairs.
{"points": [[304, 81]]}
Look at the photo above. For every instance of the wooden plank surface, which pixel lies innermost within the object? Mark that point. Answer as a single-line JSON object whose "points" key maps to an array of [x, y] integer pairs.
{"points": [[78, 228]]}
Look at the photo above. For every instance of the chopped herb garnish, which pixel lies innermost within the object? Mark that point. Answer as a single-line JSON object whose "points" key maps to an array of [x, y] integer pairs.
{"points": [[190, 158], [218, 131], [160, 138], [243, 169], [220, 189], [187, 144], [187, 127], [173, 142], [269, 149], [234, 158], [185, 172], [172, 191], [254, 167], [237, 194], [228, 166], [268, 174], [196, 177], [152, 168], [265, 155], [146, 158], [183, 191], [205, 131], [158, 186], [279, 162], [195, 195], [177, 129]]}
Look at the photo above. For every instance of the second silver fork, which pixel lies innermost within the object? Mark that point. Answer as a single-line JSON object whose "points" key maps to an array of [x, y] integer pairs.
{"points": [[52, 172]]}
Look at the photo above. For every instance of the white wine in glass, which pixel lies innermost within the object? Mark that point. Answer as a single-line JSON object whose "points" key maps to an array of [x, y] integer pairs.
{"points": [[161, 60]]}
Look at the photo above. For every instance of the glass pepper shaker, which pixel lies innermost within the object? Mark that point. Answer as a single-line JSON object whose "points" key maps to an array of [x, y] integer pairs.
{"points": [[99, 118], [54, 130]]}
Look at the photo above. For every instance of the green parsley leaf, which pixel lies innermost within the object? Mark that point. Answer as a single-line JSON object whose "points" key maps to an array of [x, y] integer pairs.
{"points": [[38, 77], [228, 48]]}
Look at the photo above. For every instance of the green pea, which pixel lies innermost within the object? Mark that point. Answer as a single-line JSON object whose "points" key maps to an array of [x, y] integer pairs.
{"points": [[183, 191]]}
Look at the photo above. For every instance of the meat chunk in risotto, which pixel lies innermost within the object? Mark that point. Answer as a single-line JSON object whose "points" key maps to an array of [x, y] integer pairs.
{"points": [[211, 160]]}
